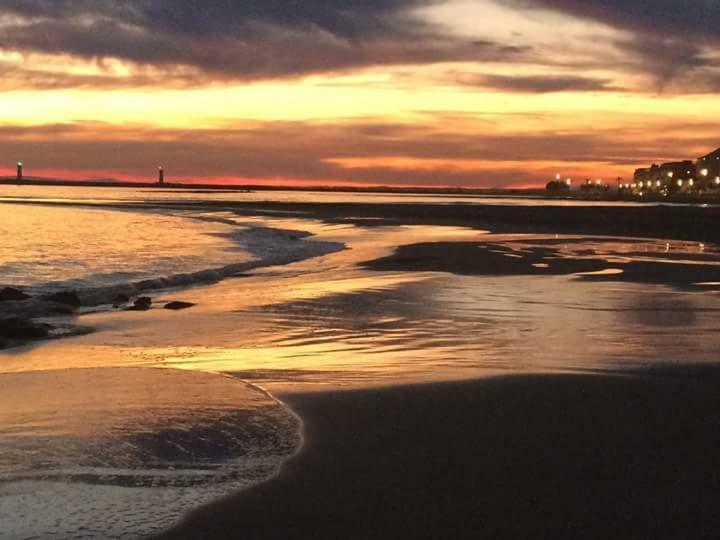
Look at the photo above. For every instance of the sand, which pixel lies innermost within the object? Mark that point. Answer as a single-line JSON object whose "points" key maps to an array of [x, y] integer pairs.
{"points": [[692, 222], [545, 456], [499, 259]]}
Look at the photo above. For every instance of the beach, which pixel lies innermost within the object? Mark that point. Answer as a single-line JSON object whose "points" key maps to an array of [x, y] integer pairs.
{"points": [[546, 456], [418, 370]]}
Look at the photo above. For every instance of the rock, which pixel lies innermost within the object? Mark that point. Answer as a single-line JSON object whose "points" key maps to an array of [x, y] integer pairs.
{"points": [[176, 306], [69, 298], [12, 294], [20, 329], [141, 304]]}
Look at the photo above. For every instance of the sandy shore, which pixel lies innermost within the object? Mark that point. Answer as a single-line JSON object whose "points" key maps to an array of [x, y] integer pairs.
{"points": [[537, 258], [693, 222], [547, 456]]}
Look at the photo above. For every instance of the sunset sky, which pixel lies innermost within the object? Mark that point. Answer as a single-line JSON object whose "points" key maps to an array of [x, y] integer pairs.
{"points": [[483, 93]]}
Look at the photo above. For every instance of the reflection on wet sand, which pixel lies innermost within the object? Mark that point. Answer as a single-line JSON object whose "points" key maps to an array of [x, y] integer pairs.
{"points": [[331, 322], [110, 451]]}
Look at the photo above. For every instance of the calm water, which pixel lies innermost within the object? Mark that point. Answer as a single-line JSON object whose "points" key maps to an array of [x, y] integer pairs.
{"points": [[54, 247], [320, 323], [117, 195]]}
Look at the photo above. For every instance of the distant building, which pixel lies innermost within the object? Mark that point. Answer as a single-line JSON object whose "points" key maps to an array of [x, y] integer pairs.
{"points": [[596, 187], [558, 187], [641, 176], [708, 170], [161, 176], [650, 174], [19, 172], [678, 175]]}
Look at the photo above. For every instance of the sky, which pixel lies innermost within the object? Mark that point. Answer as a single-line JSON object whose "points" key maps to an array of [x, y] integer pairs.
{"points": [[457, 93]]}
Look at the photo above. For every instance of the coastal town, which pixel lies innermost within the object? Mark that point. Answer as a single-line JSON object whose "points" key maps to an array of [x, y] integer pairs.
{"points": [[684, 179]]}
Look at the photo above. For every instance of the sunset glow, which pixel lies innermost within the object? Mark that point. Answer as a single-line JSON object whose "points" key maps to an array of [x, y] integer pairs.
{"points": [[493, 93]]}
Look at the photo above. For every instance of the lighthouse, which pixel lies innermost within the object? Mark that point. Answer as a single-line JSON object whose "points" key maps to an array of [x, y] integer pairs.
{"points": [[161, 176], [19, 172]]}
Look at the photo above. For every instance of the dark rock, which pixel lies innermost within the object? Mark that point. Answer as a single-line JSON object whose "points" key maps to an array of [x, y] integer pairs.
{"points": [[69, 298], [12, 294], [176, 306], [141, 304], [21, 329]]}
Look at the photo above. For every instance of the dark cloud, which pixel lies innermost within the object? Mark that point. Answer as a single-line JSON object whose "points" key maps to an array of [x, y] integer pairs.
{"points": [[666, 38], [536, 83], [239, 40], [691, 20]]}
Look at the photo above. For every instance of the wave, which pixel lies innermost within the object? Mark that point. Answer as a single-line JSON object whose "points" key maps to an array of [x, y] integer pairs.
{"points": [[268, 247]]}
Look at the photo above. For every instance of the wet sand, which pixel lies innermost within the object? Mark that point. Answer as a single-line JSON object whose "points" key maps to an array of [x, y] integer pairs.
{"points": [[546, 456], [692, 222], [533, 257]]}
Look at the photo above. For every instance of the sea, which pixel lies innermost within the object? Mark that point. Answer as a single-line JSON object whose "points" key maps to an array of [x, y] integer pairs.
{"points": [[123, 430]]}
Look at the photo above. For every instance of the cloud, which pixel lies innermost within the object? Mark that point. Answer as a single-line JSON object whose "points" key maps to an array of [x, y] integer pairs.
{"points": [[663, 38], [358, 152], [536, 83], [699, 18], [239, 40]]}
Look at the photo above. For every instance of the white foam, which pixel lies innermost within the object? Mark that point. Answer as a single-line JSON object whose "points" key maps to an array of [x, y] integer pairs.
{"points": [[125, 453]]}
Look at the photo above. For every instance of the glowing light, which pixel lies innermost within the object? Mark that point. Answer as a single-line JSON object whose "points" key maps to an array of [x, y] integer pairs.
{"points": [[679, 183], [641, 184], [658, 183], [717, 180], [691, 182], [704, 172], [671, 174]]}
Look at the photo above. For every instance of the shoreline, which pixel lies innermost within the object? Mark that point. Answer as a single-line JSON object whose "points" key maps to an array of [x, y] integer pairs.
{"points": [[661, 221], [28, 317], [519, 456], [520, 193]]}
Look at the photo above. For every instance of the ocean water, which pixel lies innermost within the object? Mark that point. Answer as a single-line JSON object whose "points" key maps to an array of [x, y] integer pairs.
{"points": [[51, 247], [156, 413], [122, 453]]}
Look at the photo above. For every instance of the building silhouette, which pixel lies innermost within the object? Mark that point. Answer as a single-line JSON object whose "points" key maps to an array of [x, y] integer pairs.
{"points": [[161, 176], [666, 178], [708, 169], [19, 172]]}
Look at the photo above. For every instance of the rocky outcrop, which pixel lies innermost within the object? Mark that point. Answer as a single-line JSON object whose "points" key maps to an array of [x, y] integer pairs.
{"points": [[143, 303], [177, 306], [16, 329], [11, 294]]}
